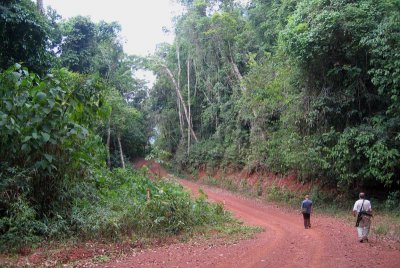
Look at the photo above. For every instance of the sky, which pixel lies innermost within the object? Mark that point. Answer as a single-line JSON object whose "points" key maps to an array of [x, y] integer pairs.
{"points": [[141, 20]]}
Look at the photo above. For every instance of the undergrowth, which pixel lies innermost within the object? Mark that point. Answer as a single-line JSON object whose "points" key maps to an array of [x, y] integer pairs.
{"points": [[127, 207], [119, 203]]}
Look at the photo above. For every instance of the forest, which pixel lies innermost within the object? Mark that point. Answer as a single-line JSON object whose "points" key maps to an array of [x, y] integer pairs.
{"points": [[309, 87]]}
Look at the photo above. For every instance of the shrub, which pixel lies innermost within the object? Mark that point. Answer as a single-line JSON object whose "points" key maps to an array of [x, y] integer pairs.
{"points": [[362, 155], [19, 226], [123, 207], [392, 202]]}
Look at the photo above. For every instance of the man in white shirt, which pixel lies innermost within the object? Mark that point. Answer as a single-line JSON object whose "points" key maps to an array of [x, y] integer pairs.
{"points": [[363, 206]]}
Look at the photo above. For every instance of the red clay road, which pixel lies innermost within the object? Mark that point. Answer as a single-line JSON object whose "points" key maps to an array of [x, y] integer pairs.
{"points": [[284, 243]]}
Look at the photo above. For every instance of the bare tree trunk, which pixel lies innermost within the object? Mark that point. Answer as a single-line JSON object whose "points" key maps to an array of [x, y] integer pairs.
{"points": [[179, 66], [179, 86], [235, 69], [40, 7], [190, 118], [195, 79], [121, 154], [108, 142], [178, 92], [178, 103]]}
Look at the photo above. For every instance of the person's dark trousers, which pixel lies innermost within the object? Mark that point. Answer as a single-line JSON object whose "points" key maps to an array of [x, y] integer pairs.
{"points": [[307, 223]]}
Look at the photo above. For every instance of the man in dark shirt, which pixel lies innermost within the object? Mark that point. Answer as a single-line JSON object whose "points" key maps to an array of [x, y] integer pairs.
{"points": [[306, 209]]}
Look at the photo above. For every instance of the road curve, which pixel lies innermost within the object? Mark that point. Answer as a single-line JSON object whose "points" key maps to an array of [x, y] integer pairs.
{"points": [[284, 243]]}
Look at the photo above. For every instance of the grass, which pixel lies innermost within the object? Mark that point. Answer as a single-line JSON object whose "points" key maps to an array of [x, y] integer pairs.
{"points": [[386, 226], [231, 232], [101, 259]]}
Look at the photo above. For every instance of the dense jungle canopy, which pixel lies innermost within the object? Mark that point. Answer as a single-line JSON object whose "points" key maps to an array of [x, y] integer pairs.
{"points": [[308, 87]]}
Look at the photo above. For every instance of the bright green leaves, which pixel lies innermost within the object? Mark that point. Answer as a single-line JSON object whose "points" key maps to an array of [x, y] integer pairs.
{"points": [[123, 207], [48, 121], [362, 155], [46, 132], [37, 115]]}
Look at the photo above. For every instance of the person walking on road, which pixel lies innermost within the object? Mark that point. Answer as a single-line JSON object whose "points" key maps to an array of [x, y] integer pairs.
{"points": [[306, 209], [363, 211]]}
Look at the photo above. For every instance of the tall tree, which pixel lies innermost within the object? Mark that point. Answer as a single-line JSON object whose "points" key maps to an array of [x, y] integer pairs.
{"points": [[24, 36], [79, 45]]}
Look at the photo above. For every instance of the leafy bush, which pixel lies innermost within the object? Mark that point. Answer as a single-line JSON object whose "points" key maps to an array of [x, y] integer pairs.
{"points": [[46, 148], [123, 207], [281, 194], [19, 226], [347, 53], [25, 36], [361, 155], [206, 153], [392, 202]]}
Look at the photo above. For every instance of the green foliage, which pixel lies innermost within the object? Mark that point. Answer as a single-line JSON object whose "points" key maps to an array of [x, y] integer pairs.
{"points": [[24, 36], [127, 123], [281, 194], [268, 18], [79, 45], [19, 227], [360, 155], [346, 107], [124, 208], [39, 117], [393, 202], [326, 44], [90, 47], [321, 89], [208, 152], [46, 147]]}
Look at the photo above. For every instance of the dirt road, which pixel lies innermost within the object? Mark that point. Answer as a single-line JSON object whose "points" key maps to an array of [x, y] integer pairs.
{"points": [[284, 243]]}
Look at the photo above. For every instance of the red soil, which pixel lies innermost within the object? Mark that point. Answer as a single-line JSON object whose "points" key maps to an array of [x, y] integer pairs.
{"points": [[284, 243]]}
